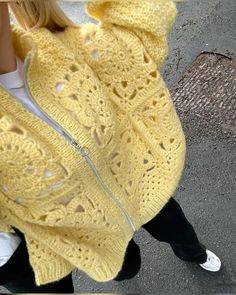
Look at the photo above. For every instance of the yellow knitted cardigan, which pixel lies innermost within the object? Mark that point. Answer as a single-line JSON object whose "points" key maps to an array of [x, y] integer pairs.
{"points": [[101, 83]]}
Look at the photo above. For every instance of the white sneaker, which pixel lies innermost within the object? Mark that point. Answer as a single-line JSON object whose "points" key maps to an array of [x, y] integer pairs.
{"points": [[213, 262]]}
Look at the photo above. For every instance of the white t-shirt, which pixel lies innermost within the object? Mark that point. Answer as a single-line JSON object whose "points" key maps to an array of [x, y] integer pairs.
{"points": [[14, 81]]}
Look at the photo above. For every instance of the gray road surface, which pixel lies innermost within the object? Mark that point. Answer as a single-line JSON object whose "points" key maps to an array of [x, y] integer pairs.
{"points": [[207, 189]]}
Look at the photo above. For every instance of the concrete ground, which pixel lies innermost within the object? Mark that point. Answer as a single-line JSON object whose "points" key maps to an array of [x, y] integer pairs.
{"points": [[207, 188]]}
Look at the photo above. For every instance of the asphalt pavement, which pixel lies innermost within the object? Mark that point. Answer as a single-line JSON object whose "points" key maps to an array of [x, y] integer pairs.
{"points": [[207, 188]]}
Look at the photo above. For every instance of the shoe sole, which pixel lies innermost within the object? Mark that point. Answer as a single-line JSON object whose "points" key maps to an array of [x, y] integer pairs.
{"points": [[211, 269]]}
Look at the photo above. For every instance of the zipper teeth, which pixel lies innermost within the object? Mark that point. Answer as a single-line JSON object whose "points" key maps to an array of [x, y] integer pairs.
{"points": [[68, 137], [64, 133], [79, 147], [89, 161]]}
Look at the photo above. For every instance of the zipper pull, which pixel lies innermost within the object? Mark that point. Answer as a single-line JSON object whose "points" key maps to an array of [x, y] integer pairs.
{"points": [[83, 150]]}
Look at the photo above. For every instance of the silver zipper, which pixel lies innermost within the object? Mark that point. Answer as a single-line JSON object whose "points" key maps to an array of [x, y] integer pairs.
{"points": [[76, 144]]}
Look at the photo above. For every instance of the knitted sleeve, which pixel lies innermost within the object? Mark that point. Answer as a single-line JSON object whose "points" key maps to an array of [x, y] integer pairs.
{"points": [[150, 20]]}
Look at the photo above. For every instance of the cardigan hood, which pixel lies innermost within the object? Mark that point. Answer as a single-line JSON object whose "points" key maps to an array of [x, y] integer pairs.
{"points": [[79, 195]]}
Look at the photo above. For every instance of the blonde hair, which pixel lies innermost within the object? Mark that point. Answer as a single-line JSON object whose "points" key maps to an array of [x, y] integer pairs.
{"points": [[32, 14]]}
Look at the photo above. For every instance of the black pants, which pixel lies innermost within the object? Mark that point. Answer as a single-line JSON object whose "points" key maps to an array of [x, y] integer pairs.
{"points": [[169, 225]]}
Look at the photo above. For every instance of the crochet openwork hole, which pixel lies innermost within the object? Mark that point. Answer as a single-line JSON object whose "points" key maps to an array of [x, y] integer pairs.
{"points": [[162, 94], [127, 193], [30, 170], [145, 108], [17, 130], [56, 185], [154, 74], [87, 128], [122, 55], [124, 84], [87, 39], [140, 88], [4, 188], [96, 137], [162, 146], [67, 77], [48, 173], [79, 208], [103, 128], [154, 102], [153, 118], [148, 81], [113, 155], [172, 140], [19, 200], [129, 140], [43, 217], [95, 54], [133, 95], [73, 96], [146, 59], [65, 200], [74, 68], [59, 86]]}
